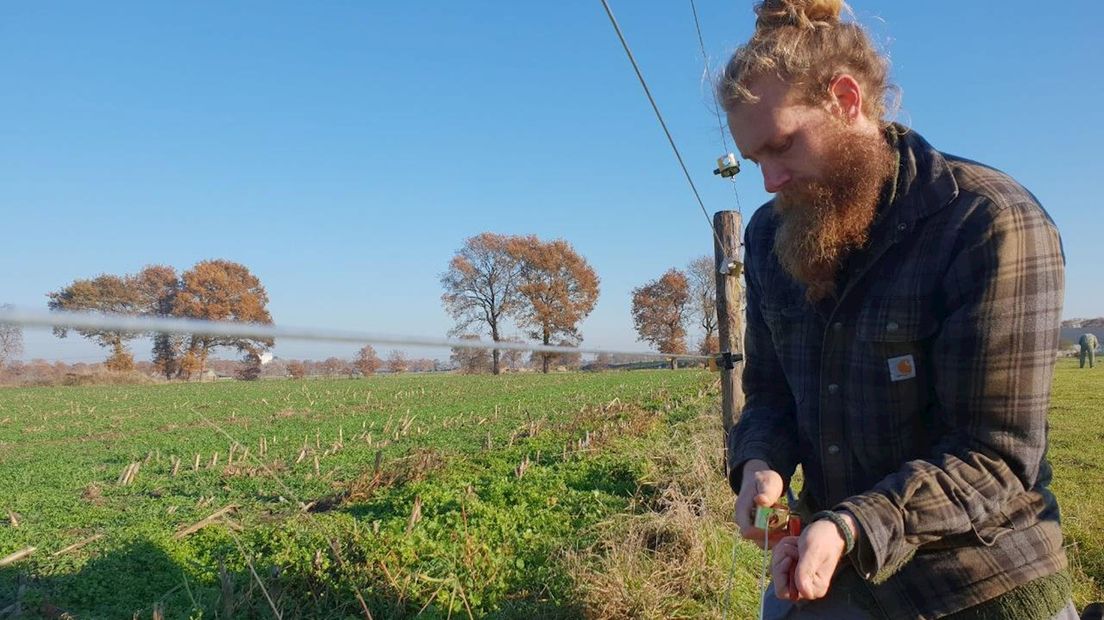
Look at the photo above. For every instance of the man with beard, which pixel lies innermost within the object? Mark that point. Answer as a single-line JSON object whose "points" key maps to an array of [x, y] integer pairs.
{"points": [[902, 319]]}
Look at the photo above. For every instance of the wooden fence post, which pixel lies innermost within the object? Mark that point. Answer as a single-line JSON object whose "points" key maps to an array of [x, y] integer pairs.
{"points": [[730, 314]]}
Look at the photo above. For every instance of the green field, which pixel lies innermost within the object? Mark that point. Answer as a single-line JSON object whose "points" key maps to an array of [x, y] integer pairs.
{"points": [[532, 496]]}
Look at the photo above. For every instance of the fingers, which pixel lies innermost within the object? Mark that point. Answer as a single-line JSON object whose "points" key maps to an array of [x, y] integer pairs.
{"points": [[761, 486], [745, 505], [768, 487], [745, 520], [783, 562], [782, 574], [744, 516]]}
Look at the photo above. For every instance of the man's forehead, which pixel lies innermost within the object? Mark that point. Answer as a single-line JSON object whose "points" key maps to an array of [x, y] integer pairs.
{"points": [[773, 112], [754, 124]]}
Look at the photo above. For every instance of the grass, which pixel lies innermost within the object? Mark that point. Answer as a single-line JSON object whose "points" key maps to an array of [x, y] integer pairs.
{"points": [[505, 473], [531, 496], [1076, 434]]}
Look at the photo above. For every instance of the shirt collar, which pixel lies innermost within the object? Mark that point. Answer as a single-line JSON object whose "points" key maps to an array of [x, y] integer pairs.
{"points": [[924, 182]]}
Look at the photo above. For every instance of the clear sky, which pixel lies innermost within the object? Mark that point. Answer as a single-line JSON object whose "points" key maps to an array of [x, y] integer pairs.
{"points": [[344, 150]]}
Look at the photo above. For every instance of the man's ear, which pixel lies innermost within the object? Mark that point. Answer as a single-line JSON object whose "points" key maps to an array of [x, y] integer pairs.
{"points": [[845, 98]]}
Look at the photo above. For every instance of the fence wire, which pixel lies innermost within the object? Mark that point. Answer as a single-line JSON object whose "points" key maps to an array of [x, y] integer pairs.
{"points": [[133, 324]]}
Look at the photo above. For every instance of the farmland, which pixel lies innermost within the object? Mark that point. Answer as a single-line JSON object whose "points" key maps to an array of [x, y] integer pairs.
{"points": [[551, 496]]}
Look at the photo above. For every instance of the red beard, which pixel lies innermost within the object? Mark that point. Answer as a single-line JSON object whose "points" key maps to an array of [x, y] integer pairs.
{"points": [[821, 221]]}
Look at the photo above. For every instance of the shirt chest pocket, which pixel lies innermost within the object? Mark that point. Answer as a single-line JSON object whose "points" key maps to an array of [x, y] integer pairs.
{"points": [[893, 378], [893, 323]]}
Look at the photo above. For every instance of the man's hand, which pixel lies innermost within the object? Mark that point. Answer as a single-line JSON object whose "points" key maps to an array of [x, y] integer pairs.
{"points": [[761, 486], [802, 568], [783, 562]]}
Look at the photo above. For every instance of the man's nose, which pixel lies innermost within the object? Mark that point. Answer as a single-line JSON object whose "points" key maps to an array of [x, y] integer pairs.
{"points": [[775, 178]]}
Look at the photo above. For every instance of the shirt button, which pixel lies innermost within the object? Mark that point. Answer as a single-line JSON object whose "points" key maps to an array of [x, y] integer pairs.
{"points": [[833, 388], [892, 326], [902, 227], [833, 449]]}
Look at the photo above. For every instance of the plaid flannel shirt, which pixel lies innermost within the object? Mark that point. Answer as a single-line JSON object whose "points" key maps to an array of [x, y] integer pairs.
{"points": [[916, 397]]}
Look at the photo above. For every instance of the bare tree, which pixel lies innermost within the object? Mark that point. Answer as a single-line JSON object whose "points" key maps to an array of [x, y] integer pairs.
{"points": [[481, 286], [702, 274], [11, 341], [512, 359], [397, 362]]}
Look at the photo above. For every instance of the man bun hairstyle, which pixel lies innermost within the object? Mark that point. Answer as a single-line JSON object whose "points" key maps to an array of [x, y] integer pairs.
{"points": [[805, 14], [807, 44]]}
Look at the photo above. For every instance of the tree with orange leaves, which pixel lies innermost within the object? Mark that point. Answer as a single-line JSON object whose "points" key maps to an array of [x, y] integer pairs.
{"points": [[481, 286], [296, 369], [559, 288], [659, 311], [103, 294], [221, 290], [367, 362], [156, 287]]}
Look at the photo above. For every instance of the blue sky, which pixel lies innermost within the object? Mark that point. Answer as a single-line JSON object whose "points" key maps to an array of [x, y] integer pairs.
{"points": [[344, 150]]}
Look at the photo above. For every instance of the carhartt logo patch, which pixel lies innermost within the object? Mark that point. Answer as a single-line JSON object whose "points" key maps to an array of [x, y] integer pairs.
{"points": [[901, 368]]}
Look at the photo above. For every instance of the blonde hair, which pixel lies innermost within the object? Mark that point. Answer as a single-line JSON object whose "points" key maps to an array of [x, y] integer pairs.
{"points": [[806, 44]]}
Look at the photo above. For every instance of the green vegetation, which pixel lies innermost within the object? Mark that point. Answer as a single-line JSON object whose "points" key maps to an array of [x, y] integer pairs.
{"points": [[1076, 433], [552, 496]]}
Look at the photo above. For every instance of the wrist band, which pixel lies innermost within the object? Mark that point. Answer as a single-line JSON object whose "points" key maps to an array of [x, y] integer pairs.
{"points": [[841, 525]]}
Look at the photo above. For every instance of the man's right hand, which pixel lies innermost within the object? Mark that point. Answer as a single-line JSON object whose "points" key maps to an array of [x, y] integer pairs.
{"points": [[761, 486]]}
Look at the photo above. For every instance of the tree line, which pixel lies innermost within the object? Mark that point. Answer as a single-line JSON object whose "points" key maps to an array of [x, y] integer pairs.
{"points": [[545, 288], [216, 290]]}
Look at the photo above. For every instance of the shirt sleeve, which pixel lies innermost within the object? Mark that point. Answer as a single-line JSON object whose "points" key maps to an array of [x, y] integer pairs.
{"points": [[767, 428], [993, 360]]}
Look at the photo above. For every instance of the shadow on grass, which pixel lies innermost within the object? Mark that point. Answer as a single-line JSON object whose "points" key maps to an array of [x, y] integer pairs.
{"points": [[122, 583], [140, 579]]}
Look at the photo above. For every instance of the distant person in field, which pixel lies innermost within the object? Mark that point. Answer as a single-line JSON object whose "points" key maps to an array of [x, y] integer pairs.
{"points": [[903, 311], [1088, 345]]}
